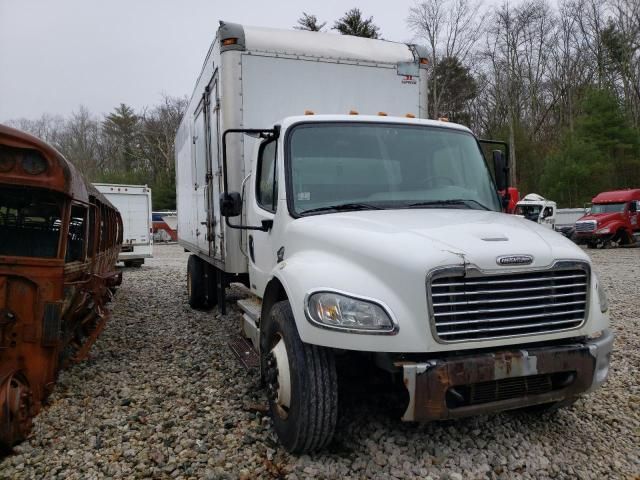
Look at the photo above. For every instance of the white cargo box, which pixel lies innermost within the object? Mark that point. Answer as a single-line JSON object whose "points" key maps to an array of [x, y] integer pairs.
{"points": [[134, 204], [252, 78]]}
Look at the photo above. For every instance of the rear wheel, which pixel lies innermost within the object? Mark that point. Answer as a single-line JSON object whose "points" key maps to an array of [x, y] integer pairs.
{"points": [[301, 382], [196, 284]]}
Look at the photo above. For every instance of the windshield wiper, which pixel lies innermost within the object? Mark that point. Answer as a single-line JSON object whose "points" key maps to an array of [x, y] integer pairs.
{"points": [[343, 207], [453, 201]]}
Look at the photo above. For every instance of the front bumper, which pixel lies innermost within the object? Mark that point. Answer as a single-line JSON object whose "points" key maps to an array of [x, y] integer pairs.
{"points": [[456, 387]]}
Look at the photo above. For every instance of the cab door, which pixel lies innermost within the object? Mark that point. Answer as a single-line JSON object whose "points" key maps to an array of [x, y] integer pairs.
{"points": [[261, 205]]}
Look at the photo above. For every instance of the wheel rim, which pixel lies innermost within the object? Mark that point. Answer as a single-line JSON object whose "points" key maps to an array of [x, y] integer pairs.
{"points": [[278, 378], [15, 409]]}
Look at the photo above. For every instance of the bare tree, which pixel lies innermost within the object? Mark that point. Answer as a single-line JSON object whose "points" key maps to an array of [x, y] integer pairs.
{"points": [[451, 29]]}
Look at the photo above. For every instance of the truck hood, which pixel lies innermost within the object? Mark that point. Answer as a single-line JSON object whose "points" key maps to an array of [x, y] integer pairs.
{"points": [[603, 218], [431, 237]]}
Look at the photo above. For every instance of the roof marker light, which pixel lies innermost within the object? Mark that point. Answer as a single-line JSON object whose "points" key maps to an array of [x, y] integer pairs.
{"points": [[309, 112], [424, 61], [229, 41], [382, 114], [353, 112], [443, 119], [410, 115]]}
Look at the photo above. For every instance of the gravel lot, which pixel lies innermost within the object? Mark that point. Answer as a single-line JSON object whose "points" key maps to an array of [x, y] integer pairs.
{"points": [[163, 397]]}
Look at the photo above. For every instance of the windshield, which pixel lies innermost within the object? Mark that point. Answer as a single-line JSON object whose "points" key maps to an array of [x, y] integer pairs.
{"points": [[30, 222], [607, 207], [386, 166], [532, 212]]}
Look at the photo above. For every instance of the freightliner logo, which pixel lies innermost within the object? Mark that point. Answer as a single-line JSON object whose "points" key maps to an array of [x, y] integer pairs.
{"points": [[514, 260]]}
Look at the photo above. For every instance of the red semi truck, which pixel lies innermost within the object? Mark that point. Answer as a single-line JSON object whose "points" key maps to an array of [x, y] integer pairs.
{"points": [[614, 217]]}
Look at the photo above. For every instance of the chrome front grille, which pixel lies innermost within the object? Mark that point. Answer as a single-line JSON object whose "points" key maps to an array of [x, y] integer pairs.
{"points": [[586, 226], [476, 306]]}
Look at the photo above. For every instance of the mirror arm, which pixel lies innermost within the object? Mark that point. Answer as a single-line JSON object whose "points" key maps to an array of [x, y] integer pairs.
{"points": [[266, 225]]}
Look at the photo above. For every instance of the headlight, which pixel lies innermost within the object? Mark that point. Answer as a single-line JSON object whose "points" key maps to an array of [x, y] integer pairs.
{"points": [[341, 312], [602, 296], [604, 230]]}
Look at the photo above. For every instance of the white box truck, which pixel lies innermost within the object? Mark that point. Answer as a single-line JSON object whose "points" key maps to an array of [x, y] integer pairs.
{"points": [[134, 204], [372, 237]]}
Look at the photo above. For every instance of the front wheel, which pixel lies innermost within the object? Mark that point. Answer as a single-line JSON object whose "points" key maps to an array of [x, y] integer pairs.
{"points": [[301, 382]]}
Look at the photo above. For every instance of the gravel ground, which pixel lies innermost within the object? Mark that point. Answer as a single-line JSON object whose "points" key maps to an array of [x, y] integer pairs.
{"points": [[163, 397]]}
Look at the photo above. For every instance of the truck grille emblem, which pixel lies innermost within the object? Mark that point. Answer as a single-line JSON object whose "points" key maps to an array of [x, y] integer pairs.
{"points": [[514, 260]]}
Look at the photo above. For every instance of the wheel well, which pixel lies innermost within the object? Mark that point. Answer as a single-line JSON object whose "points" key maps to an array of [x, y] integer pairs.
{"points": [[273, 294]]}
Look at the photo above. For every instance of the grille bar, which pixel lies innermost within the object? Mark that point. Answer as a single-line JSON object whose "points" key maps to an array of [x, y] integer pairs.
{"points": [[510, 290], [508, 319], [478, 306], [511, 327], [502, 300], [510, 309], [516, 280]]}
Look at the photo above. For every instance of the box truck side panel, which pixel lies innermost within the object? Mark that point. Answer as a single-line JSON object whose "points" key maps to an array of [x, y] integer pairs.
{"points": [[274, 88]]}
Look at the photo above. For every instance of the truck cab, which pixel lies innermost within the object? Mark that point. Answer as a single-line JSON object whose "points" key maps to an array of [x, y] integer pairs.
{"points": [[536, 208], [385, 236], [614, 218]]}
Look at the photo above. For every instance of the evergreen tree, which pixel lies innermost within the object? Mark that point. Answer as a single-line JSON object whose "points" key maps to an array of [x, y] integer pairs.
{"points": [[309, 22], [353, 23]]}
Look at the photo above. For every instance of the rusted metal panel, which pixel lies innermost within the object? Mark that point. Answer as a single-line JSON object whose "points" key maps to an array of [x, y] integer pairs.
{"points": [[52, 300], [445, 388]]}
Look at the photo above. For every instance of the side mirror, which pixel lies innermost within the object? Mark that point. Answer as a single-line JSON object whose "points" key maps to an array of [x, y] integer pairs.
{"points": [[230, 204], [501, 170]]}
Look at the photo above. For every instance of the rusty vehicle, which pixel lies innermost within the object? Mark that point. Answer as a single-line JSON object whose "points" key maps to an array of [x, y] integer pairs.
{"points": [[59, 242]]}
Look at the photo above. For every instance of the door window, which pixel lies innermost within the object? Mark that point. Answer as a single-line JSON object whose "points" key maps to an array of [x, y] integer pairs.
{"points": [[267, 181]]}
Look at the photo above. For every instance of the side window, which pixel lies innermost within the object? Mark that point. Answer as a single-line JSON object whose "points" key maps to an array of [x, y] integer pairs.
{"points": [[267, 180], [77, 234]]}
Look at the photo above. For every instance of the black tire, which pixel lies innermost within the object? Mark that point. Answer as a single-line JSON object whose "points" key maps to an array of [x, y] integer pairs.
{"points": [[196, 285], [592, 244], [128, 263], [310, 421], [137, 263]]}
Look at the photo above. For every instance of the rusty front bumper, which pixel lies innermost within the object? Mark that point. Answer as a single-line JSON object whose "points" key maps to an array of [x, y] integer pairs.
{"points": [[470, 385]]}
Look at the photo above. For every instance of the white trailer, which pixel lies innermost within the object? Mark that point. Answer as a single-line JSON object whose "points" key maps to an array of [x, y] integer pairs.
{"points": [[134, 204], [372, 237]]}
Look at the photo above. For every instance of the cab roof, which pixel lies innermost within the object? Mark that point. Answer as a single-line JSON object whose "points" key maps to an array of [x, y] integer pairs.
{"points": [[289, 121], [616, 196]]}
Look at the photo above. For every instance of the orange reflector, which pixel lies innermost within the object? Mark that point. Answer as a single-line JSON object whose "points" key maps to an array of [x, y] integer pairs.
{"points": [[229, 41], [382, 114], [443, 119], [410, 115], [424, 61], [353, 112], [309, 112]]}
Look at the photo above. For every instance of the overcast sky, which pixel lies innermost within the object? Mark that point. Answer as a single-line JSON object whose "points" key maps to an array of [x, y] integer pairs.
{"points": [[58, 54]]}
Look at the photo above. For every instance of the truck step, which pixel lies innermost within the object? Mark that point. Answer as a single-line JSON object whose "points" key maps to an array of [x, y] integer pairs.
{"points": [[243, 350], [252, 307]]}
